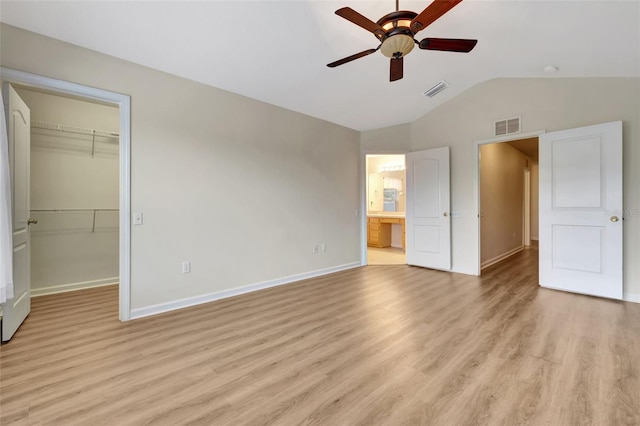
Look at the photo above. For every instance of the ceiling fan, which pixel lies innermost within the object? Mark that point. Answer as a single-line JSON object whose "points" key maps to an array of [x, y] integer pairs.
{"points": [[396, 32]]}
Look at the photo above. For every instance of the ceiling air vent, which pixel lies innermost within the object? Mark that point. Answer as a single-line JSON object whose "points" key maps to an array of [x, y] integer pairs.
{"points": [[437, 88], [507, 126]]}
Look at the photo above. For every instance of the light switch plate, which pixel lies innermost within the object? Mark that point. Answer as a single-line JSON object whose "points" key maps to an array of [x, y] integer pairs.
{"points": [[137, 218]]}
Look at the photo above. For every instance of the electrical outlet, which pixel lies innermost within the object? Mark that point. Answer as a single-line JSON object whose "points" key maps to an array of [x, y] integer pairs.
{"points": [[323, 247], [186, 267], [316, 249]]}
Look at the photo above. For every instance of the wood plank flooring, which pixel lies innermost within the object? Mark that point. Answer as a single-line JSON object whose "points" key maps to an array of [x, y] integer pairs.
{"points": [[392, 345]]}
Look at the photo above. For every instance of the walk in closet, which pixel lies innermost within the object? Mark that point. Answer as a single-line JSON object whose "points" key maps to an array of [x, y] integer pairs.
{"points": [[74, 193]]}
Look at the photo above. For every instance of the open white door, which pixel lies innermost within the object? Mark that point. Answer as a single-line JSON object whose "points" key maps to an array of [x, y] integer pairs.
{"points": [[581, 210], [428, 223], [19, 129]]}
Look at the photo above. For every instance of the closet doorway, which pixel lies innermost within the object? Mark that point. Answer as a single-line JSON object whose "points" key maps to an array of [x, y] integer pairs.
{"points": [[385, 183], [74, 192], [122, 102]]}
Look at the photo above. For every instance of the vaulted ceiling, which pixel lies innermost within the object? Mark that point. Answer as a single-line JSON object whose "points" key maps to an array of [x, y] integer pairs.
{"points": [[277, 51]]}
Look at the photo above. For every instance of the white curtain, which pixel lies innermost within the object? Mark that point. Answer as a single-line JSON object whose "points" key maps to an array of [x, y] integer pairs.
{"points": [[6, 246]]}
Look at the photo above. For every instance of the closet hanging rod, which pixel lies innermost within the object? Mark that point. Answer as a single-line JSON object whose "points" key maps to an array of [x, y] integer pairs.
{"points": [[71, 129], [93, 211]]}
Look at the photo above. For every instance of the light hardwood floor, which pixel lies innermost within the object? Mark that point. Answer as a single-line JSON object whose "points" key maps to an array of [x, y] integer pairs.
{"points": [[393, 345], [386, 256]]}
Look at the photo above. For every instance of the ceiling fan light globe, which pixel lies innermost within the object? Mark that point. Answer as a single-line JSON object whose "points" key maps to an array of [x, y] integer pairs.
{"points": [[399, 43]]}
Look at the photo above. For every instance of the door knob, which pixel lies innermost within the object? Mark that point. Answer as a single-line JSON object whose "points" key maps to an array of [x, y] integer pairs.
{"points": [[614, 218], [32, 221], [445, 214]]}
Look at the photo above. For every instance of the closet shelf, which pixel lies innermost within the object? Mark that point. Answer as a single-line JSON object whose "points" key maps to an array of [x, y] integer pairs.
{"points": [[93, 133], [73, 210], [92, 211], [71, 129]]}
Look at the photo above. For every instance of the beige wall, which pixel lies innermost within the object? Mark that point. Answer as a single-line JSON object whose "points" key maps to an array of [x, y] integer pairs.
{"points": [[544, 104], [501, 200], [64, 250], [535, 177], [240, 188], [395, 138]]}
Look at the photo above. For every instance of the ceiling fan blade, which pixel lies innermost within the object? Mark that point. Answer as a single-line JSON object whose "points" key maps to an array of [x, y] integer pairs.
{"points": [[434, 11], [360, 20], [448, 44], [351, 58], [396, 68]]}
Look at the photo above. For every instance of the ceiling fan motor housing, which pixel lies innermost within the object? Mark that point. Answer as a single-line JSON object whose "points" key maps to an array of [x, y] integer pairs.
{"points": [[397, 40]]}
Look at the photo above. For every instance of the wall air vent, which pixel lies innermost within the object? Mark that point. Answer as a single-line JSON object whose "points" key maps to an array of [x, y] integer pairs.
{"points": [[437, 88], [506, 126]]}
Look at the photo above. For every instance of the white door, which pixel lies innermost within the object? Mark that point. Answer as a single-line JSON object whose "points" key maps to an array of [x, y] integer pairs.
{"points": [[581, 210], [428, 223], [18, 125]]}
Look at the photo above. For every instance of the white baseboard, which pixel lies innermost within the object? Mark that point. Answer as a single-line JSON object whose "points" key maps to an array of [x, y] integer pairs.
{"points": [[501, 257], [210, 297], [631, 297], [62, 288]]}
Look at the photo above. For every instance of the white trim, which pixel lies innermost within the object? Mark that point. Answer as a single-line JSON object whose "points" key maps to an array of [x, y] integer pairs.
{"points": [[123, 102], [631, 297], [510, 137], [63, 288], [211, 297], [476, 178], [501, 257]]}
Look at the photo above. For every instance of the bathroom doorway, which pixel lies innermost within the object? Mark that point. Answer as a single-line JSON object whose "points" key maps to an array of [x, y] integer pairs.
{"points": [[385, 184]]}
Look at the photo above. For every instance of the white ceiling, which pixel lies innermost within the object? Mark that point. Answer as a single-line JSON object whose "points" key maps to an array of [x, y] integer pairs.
{"points": [[277, 51]]}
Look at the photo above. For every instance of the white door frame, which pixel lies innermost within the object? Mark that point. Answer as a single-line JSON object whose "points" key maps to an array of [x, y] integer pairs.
{"points": [[476, 177], [363, 196], [123, 102]]}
